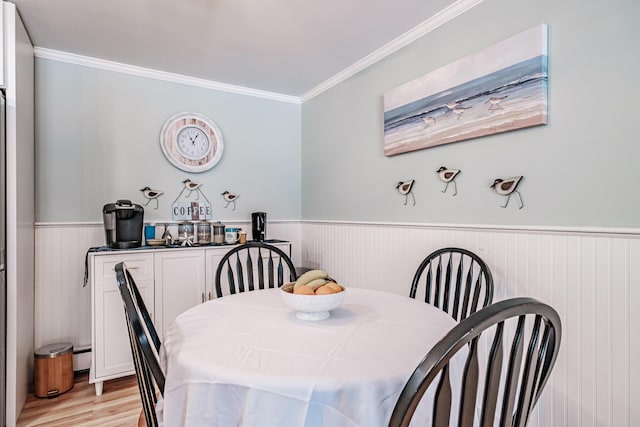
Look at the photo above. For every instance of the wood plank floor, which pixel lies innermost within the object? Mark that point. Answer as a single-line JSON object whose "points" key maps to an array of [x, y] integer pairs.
{"points": [[119, 405]]}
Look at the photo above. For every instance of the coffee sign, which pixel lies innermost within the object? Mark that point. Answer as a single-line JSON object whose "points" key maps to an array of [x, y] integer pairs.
{"points": [[191, 211]]}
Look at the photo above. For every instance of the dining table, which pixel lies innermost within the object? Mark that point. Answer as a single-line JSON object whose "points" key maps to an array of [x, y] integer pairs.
{"points": [[247, 360]]}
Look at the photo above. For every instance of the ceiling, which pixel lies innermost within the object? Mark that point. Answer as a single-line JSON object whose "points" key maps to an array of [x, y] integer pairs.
{"points": [[287, 47]]}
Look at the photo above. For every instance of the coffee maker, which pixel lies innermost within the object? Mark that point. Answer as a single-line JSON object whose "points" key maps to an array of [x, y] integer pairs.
{"points": [[123, 222], [259, 226]]}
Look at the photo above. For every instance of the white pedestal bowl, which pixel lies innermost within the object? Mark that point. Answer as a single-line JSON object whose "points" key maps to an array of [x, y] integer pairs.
{"points": [[311, 307]]}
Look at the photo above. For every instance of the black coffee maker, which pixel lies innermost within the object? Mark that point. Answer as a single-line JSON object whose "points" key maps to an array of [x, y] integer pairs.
{"points": [[123, 222], [259, 226]]}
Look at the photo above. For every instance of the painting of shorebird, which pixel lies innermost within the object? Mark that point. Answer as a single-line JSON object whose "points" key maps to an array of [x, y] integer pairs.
{"points": [[500, 88]]}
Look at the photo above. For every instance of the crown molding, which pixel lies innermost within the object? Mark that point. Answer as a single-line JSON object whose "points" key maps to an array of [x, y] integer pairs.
{"points": [[437, 20], [103, 64]]}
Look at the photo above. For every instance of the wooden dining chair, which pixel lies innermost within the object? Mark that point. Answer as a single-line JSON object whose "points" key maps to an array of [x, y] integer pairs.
{"points": [[490, 392], [454, 280], [145, 344], [254, 265]]}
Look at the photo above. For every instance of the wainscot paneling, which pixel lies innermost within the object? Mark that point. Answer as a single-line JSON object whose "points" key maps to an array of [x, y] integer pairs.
{"points": [[63, 305], [592, 278]]}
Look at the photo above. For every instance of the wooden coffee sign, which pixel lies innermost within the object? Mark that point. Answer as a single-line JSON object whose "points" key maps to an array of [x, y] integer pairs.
{"points": [[191, 211]]}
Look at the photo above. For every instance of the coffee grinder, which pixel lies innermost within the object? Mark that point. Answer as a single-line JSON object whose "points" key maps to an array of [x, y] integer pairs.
{"points": [[259, 226]]}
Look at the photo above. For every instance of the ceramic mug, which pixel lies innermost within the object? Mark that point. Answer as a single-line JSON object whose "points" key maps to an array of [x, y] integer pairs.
{"points": [[231, 235]]}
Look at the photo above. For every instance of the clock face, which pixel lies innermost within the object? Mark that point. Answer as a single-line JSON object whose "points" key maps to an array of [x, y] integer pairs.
{"points": [[191, 142]]}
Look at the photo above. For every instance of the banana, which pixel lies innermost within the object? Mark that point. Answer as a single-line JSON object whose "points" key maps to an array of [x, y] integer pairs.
{"points": [[315, 284], [309, 276]]}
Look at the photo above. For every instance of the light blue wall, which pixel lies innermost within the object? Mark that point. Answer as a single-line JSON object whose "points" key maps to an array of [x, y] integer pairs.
{"points": [[581, 169], [97, 140], [97, 135]]}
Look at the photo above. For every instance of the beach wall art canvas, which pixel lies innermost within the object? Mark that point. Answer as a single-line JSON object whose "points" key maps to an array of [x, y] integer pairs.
{"points": [[500, 88]]}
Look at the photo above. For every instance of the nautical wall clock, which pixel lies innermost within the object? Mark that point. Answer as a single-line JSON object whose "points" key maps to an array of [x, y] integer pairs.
{"points": [[191, 142]]}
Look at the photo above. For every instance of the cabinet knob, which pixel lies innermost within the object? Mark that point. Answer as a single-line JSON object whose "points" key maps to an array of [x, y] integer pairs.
{"points": [[210, 296], [203, 297]]}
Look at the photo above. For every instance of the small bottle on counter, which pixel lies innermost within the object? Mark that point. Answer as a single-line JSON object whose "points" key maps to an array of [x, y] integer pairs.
{"points": [[166, 236]]}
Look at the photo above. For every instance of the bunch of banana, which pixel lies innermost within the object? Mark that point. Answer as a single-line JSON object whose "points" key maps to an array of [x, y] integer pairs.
{"points": [[313, 279], [316, 282]]}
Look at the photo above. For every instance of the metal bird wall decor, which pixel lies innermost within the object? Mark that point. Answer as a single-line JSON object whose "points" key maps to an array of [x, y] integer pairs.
{"points": [[230, 198], [189, 208], [150, 195], [448, 176], [405, 188], [192, 186], [507, 187]]}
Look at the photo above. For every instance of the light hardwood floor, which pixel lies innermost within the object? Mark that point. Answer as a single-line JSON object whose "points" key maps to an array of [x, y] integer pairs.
{"points": [[119, 405]]}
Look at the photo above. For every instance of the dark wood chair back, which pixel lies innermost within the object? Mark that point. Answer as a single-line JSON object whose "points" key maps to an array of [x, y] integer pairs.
{"points": [[254, 265], [493, 388], [454, 280], [145, 344]]}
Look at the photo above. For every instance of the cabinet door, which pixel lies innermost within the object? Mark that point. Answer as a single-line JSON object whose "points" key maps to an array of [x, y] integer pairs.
{"points": [[180, 285], [213, 257], [111, 347]]}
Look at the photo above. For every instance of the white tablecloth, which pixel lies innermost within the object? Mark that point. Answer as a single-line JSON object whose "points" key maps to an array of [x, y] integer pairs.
{"points": [[246, 360]]}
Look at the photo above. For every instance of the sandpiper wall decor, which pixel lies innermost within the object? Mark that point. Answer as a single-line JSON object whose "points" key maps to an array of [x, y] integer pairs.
{"points": [[406, 189], [506, 187], [150, 195], [448, 176], [230, 198], [500, 88]]}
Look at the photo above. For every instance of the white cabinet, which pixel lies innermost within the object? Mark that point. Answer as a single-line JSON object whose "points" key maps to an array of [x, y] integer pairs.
{"points": [[111, 348], [179, 284], [170, 281]]}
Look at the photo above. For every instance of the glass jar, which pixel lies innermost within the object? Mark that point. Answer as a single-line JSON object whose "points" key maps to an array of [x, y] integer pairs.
{"points": [[218, 232], [185, 232], [204, 233]]}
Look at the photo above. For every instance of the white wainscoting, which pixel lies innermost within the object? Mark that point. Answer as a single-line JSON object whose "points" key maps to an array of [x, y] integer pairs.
{"points": [[63, 305], [591, 278]]}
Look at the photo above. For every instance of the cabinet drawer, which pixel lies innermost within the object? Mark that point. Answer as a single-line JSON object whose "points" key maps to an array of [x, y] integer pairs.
{"points": [[140, 265]]}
